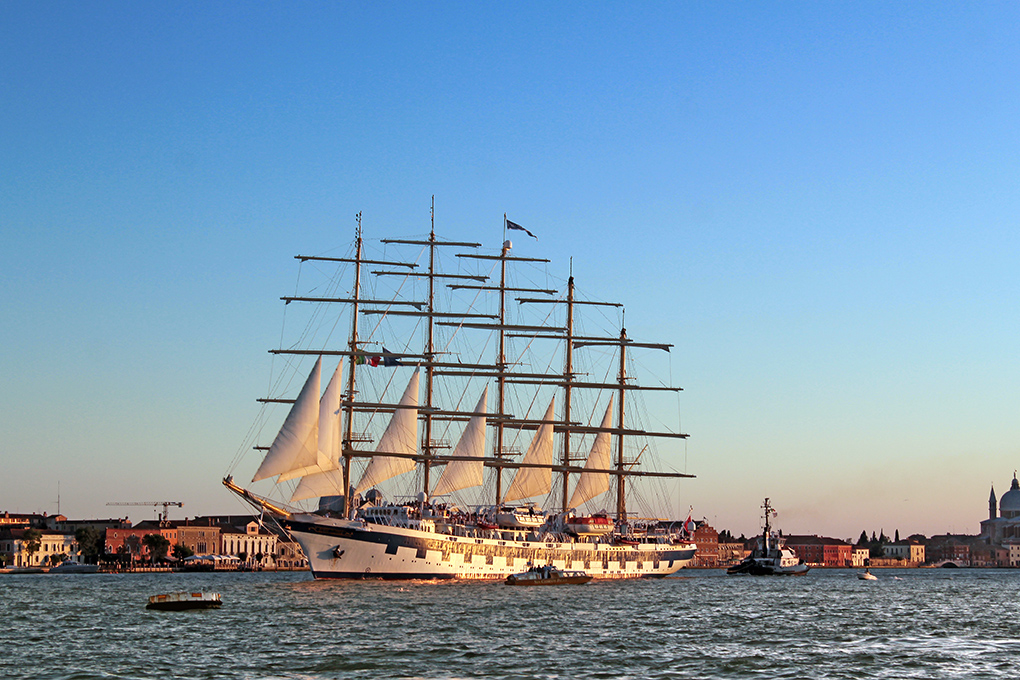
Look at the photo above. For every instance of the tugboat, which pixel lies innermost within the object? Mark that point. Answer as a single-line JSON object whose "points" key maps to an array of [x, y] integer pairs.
{"points": [[769, 557]]}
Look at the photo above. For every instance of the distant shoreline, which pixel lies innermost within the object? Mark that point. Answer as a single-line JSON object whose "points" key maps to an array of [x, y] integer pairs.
{"points": [[147, 570]]}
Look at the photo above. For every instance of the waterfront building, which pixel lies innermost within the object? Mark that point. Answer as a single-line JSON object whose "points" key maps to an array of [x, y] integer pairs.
{"points": [[54, 547], [731, 553], [707, 540], [1003, 526], [69, 526], [948, 547], [821, 550], [289, 555], [985, 555], [33, 520], [129, 540], [245, 534], [909, 551], [200, 535], [860, 556], [243, 537], [1014, 553]]}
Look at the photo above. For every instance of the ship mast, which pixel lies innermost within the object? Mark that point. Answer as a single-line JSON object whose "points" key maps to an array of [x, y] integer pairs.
{"points": [[503, 370], [568, 378], [430, 355], [501, 362], [621, 495], [353, 352], [347, 443], [427, 412]]}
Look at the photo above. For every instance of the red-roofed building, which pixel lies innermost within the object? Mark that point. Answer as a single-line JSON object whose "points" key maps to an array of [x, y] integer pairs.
{"points": [[707, 540], [821, 551], [130, 540]]}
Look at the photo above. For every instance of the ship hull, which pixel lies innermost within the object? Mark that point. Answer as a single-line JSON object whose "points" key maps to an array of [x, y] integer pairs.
{"points": [[768, 567], [344, 549]]}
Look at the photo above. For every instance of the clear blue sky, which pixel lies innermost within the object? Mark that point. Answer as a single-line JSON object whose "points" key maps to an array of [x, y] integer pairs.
{"points": [[817, 203]]}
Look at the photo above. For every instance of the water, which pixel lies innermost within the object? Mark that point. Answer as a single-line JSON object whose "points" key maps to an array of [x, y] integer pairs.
{"points": [[933, 623]]}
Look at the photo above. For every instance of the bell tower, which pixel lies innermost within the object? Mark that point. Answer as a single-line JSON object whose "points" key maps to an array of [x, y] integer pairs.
{"points": [[991, 504]]}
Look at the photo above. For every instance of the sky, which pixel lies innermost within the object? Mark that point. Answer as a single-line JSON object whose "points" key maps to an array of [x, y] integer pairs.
{"points": [[816, 203]]}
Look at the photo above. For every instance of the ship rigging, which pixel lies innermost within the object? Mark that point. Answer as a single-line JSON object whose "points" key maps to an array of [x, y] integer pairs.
{"points": [[324, 437]]}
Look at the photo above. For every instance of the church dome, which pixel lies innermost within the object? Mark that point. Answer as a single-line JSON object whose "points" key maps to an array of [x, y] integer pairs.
{"points": [[1009, 504]]}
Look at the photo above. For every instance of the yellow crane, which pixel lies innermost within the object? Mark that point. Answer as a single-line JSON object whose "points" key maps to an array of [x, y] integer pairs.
{"points": [[165, 504]]}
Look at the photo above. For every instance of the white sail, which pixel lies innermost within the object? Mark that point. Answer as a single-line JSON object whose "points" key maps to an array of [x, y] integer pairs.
{"points": [[329, 483], [329, 417], [297, 443], [329, 432], [592, 484], [325, 479], [464, 474], [535, 481], [401, 436]]}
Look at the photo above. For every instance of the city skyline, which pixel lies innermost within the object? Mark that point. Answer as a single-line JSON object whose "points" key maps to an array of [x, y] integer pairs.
{"points": [[820, 200]]}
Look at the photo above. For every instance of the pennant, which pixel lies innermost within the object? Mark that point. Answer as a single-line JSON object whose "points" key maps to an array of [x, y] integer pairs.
{"points": [[390, 360], [514, 225]]}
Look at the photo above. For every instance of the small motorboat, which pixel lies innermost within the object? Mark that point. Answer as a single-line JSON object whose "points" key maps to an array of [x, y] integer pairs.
{"points": [[181, 601], [547, 576], [69, 567], [867, 576]]}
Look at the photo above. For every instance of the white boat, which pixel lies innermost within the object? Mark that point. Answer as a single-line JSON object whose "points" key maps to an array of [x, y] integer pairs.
{"points": [[528, 517], [431, 532], [769, 557], [866, 575], [70, 567], [181, 601]]}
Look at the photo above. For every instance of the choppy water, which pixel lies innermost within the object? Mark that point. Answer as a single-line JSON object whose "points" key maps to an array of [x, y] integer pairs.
{"points": [[920, 624]]}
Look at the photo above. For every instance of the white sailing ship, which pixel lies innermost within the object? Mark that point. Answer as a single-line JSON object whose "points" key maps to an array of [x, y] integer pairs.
{"points": [[431, 532]]}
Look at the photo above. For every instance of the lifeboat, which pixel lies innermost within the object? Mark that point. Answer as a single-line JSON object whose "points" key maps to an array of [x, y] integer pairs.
{"points": [[528, 517], [593, 525]]}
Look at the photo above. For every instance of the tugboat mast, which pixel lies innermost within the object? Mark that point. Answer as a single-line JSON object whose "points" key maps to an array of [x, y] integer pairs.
{"points": [[767, 532]]}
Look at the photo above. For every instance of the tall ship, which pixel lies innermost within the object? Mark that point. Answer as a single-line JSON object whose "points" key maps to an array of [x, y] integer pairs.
{"points": [[473, 427]]}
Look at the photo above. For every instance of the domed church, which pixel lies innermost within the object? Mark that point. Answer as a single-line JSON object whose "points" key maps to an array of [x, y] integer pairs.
{"points": [[1003, 527]]}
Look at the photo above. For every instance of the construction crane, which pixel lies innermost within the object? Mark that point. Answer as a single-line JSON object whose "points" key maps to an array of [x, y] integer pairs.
{"points": [[165, 504]]}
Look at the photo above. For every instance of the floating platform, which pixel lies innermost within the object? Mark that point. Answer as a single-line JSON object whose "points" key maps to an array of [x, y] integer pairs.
{"points": [[176, 602]]}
